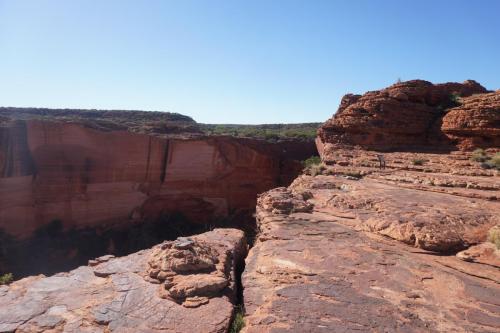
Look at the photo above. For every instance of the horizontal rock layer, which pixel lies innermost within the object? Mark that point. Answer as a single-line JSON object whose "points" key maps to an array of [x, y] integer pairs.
{"points": [[65, 176], [355, 249], [116, 295], [409, 115], [476, 122]]}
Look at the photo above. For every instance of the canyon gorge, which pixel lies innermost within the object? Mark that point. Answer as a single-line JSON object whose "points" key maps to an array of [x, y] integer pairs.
{"points": [[78, 185], [393, 230]]}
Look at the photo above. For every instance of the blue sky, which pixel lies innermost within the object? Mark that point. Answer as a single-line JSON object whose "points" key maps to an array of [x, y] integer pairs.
{"points": [[237, 61]]}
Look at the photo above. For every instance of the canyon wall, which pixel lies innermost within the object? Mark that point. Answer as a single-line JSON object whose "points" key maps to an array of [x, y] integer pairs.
{"points": [[57, 177]]}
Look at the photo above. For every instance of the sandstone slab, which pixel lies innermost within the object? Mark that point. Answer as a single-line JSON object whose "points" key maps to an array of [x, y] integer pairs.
{"points": [[376, 251], [116, 296]]}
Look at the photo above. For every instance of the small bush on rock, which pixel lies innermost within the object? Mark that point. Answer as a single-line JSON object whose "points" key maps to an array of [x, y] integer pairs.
{"points": [[494, 236], [487, 162], [316, 169], [418, 161], [494, 162], [313, 160], [313, 166], [455, 99], [479, 155], [485, 165], [238, 321], [6, 278], [306, 195]]}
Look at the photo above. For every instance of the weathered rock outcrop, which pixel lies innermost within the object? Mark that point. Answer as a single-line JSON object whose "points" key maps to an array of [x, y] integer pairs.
{"points": [[406, 115], [363, 255], [476, 122], [60, 176], [118, 294]]}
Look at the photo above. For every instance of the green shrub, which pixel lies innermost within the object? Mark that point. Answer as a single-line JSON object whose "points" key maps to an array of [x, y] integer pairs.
{"points": [[455, 99], [494, 236], [485, 165], [479, 155], [418, 161], [494, 161], [271, 132], [315, 169], [238, 321], [313, 160], [313, 166], [306, 195], [6, 278]]}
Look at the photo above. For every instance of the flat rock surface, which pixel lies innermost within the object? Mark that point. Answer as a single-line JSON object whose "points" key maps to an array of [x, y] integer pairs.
{"points": [[376, 254], [116, 296]]}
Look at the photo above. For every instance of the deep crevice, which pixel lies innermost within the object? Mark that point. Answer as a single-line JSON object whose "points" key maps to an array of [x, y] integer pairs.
{"points": [[163, 170]]}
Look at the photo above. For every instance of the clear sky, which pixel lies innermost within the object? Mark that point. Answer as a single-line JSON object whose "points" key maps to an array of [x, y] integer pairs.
{"points": [[237, 61]]}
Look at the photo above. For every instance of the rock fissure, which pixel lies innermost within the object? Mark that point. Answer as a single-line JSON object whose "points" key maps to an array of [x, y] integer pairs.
{"points": [[164, 162]]}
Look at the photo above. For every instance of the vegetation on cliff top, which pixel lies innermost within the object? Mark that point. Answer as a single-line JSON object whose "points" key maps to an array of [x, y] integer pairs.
{"points": [[159, 123], [148, 122], [304, 131]]}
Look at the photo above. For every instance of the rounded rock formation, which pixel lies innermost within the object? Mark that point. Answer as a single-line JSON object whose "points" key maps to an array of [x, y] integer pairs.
{"points": [[404, 116]]}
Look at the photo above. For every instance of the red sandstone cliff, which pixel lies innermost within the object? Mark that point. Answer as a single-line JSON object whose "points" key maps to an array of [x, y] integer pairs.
{"points": [[86, 177], [408, 115], [82, 177]]}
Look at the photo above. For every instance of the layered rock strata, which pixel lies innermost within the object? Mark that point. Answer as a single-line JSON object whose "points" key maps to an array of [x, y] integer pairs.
{"points": [[63, 176], [118, 294], [374, 249], [416, 115], [476, 122]]}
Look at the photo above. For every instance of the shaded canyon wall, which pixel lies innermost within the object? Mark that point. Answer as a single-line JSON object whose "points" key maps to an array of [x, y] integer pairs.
{"points": [[57, 179]]}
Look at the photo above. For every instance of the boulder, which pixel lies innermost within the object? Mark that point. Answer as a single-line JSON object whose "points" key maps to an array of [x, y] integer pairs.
{"points": [[115, 295]]}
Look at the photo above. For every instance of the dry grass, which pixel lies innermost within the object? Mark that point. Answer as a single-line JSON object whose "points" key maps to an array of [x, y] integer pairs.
{"points": [[494, 236]]}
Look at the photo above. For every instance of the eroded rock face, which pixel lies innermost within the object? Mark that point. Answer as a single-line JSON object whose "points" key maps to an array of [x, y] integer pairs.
{"points": [[64, 177], [406, 115], [476, 122], [190, 271], [282, 201], [114, 296], [364, 257]]}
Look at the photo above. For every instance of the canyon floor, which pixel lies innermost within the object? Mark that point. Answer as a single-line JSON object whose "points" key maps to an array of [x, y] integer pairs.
{"points": [[360, 249]]}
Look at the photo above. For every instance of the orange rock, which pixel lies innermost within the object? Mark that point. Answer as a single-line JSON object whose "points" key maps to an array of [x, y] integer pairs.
{"points": [[405, 115], [85, 177], [112, 295], [476, 122]]}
